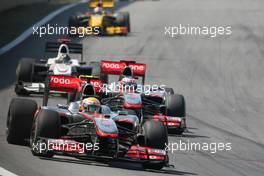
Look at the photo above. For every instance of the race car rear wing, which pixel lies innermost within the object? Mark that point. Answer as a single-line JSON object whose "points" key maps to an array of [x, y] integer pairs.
{"points": [[117, 67], [61, 83], [105, 3], [71, 84], [75, 48]]}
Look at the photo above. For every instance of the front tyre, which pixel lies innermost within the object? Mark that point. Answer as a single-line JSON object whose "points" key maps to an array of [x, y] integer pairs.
{"points": [[46, 125], [176, 108], [156, 136]]}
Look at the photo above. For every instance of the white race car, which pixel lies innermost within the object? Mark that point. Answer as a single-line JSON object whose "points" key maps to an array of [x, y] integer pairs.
{"points": [[31, 75]]}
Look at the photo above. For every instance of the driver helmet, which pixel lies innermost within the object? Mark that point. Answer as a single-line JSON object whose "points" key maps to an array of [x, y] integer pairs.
{"points": [[129, 83], [90, 105], [63, 54], [99, 8]]}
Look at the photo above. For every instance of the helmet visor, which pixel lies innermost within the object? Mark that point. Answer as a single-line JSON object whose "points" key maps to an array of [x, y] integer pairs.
{"points": [[92, 108]]}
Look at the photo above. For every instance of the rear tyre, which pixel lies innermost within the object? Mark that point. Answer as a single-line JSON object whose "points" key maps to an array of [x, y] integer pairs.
{"points": [[24, 73], [123, 19], [19, 121], [46, 125], [75, 21], [107, 22], [156, 136], [25, 70], [175, 105], [127, 21]]}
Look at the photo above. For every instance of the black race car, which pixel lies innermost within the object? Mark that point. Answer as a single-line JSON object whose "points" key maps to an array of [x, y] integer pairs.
{"points": [[65, 130]]}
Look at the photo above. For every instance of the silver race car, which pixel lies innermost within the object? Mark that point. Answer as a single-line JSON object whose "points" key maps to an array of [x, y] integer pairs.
{"points": [[31, 75]]}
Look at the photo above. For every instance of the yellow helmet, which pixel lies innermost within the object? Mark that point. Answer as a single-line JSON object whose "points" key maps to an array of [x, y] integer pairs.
{"points": [[90, 105]]}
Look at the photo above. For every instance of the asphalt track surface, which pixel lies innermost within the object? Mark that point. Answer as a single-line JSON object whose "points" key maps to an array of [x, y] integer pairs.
{"points": [[221, 78]]}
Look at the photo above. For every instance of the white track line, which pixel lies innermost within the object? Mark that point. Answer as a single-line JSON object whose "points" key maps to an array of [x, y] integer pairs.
{"points": [[4, 172], [28, 32]]}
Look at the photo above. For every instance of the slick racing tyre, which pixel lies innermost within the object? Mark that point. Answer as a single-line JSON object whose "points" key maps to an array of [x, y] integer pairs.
{"points": [[25, 70], [19, 120], [156, 136], [106, 22], [123, 19], [76, 20], [175, 105], [47, 124], [176, 108]]}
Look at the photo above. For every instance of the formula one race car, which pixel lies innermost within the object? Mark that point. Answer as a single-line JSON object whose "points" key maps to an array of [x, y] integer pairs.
{"points": [[100, 22], [31, 75], [85, 129], [148, 102]]}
